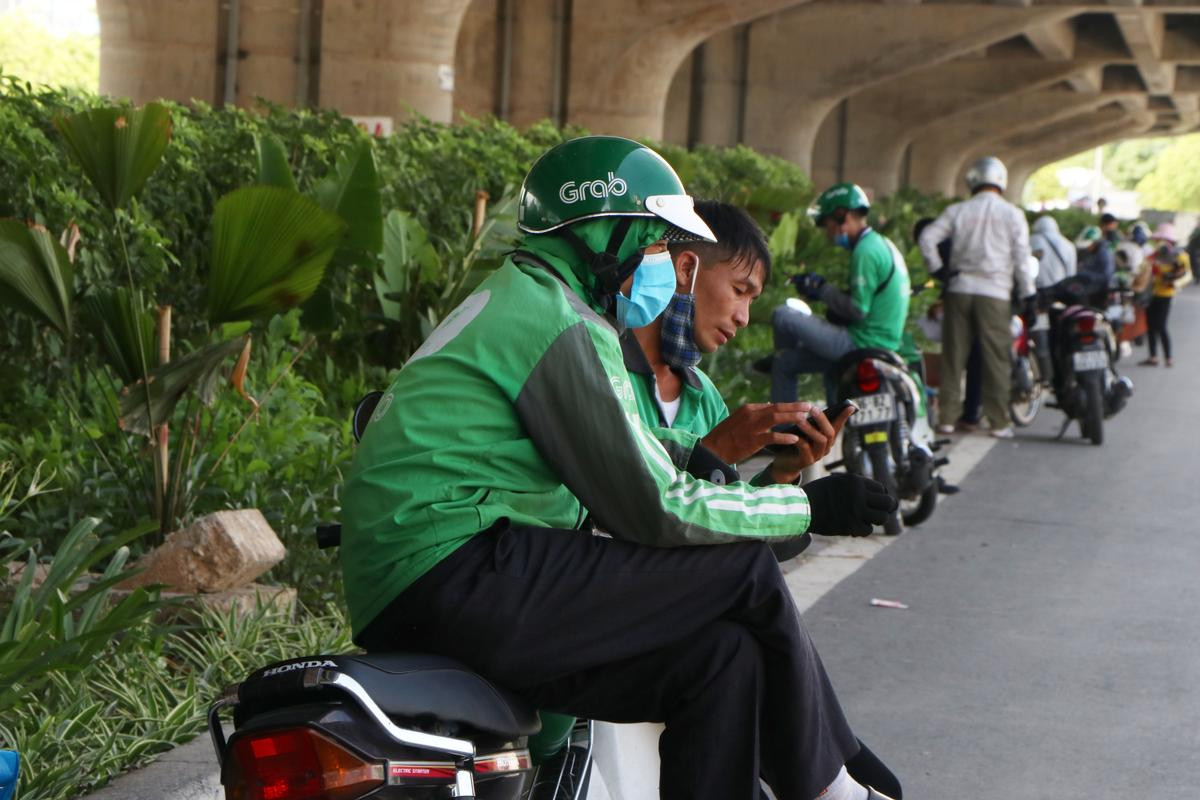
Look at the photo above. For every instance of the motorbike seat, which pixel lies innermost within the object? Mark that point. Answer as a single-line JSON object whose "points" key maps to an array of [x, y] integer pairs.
{"points": [[854, 356], [409, 686]]}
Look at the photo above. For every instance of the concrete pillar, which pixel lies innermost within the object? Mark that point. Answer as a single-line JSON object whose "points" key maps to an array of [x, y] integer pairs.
{"points": [[475, 56], [506, 66], [1029, 161], [158, 50], [390, 57], [807, 60], [939, 149], [883, 120], [624, 54], [268, 34]]}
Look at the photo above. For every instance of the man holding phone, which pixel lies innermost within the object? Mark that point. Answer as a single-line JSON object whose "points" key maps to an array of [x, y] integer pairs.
{"points": [[715, 285]]}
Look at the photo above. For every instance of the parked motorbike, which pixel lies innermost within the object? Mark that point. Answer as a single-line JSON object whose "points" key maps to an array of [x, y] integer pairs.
{"points": [[1030, 366], [1083, 350], [388, 725], [890, 438]]}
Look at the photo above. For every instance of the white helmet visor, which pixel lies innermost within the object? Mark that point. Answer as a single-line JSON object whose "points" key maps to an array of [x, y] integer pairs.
{"points": [[680, 211]]}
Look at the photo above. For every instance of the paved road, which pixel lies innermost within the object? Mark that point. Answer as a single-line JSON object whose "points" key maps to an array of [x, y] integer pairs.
{"points": [[1052, 647]]}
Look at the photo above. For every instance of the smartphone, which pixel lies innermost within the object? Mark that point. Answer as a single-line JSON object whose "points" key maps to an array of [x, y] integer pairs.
{"points": [[831, 413]]}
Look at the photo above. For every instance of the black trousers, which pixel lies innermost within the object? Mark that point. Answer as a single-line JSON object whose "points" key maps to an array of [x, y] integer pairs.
{"points": [[704, 639], [1156, 325]]}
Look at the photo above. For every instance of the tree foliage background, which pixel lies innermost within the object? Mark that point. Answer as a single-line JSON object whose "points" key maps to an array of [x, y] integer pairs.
{"points": [[29, 51]]}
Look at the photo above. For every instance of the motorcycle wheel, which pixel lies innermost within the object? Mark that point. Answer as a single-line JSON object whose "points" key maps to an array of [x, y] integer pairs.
{"points": [[881, 470], [1093, 412], [923, 508], [1023, 410]]}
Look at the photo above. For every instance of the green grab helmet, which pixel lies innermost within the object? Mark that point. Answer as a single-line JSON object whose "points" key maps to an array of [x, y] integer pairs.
{"points": [[840, 198], [1088, 236], [606, 176]]}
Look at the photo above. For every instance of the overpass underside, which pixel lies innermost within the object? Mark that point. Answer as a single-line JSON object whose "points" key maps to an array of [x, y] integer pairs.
{"points": [[885, 92]]}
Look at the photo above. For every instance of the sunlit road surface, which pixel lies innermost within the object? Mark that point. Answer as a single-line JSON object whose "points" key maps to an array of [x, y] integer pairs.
{"points": [[1051, 648]]}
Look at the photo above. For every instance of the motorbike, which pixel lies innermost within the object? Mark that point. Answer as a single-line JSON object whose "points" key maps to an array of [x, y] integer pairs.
{"points": [[1030, 366], [388, 725], [890, 438], [1083, 352]]}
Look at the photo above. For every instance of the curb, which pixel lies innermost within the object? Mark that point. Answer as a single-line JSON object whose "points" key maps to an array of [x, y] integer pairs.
{"points": [[188, 772]]}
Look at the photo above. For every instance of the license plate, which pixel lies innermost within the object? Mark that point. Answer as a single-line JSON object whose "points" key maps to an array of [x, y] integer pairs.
{"points": [[873, 409], [1088, 360]]}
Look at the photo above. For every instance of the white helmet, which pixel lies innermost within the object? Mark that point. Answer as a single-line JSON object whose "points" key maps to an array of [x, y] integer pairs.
{"points": [[987, 171]]}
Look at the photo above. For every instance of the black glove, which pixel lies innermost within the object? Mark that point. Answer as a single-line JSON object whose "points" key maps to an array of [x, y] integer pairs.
{"points": [[808, 284], [844, 504]]}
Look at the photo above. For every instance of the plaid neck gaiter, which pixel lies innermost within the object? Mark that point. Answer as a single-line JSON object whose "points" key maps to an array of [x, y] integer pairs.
{"points": [[678, 344]]}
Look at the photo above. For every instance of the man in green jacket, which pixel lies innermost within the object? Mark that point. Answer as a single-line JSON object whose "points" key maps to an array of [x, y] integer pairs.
{"points": [[871, 314], [515, 424]]}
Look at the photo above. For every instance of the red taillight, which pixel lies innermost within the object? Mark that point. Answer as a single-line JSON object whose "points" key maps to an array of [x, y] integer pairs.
{"points": [[426, 772], [868, 376], [298, 764], [1086, 323]]}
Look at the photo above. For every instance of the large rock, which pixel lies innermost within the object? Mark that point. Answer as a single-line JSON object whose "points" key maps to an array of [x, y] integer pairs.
{"points": [[221, 551]]}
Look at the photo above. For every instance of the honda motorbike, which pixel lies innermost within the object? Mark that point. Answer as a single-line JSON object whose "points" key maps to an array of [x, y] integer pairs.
{"points": [[1083, 352], [388, 725], [890, 438]]}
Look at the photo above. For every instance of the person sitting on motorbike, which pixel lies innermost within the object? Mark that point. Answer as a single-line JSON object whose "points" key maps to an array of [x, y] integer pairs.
{"points": [[514, 428], [1096, 263], [715, 286], [1110, 229], [1057, 258], [871, 314]]}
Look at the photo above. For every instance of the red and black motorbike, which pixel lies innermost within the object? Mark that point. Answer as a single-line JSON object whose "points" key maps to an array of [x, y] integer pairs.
{"points": [[1083, 352]]}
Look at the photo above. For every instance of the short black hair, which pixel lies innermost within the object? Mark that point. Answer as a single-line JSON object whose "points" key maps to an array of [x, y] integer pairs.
{"points": [[920, 226], [1107, 219], [739, 239]]}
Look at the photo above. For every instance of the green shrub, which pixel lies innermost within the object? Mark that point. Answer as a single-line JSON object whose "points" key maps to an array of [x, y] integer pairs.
{"points": [[147, 692]]}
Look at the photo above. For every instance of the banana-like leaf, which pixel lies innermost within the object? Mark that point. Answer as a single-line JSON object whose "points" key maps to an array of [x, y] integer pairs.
{"points": [[403, 239], [36, 276], [118, 148], [273, 166], [270, 250], [169, 382], [123, 322], [352, 192]]}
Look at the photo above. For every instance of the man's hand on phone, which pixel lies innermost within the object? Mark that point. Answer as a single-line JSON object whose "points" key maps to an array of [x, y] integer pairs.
{"points": [[751, 428], [819, 434]]}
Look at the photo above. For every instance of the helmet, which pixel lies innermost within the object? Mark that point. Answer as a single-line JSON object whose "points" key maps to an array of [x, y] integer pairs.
{"points": [[841, 197], [1087, 237], [606, 176], [1139, 232], [1165, 231], [987, 171], [1046, 225]]}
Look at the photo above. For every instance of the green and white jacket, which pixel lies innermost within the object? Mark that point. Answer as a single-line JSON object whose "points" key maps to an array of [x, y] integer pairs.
{"points": [[519, 406]]}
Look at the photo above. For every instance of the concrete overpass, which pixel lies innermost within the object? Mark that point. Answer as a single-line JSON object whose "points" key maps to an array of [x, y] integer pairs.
{"points": [[885, 92]]}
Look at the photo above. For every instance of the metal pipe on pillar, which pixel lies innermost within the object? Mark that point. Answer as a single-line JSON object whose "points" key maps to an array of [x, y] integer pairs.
{"points": [[504, 92], [232, 40]]}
